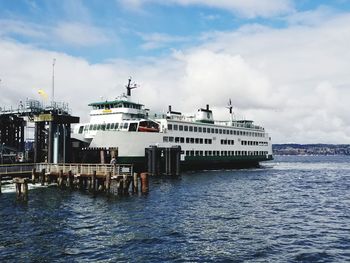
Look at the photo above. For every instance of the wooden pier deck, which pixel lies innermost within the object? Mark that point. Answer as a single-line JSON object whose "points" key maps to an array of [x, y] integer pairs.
{"points": [[117, 179]]}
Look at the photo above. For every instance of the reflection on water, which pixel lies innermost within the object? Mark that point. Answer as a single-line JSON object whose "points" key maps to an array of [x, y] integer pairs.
{"points": [[293, 209]]}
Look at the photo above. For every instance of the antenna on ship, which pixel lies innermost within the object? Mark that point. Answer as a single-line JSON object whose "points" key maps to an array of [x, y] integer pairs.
{"points": [[229, 106], [129, 87]]}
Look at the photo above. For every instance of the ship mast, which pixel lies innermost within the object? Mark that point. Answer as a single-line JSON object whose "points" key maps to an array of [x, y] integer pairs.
{"points": [[129, 87], [229, 106]]}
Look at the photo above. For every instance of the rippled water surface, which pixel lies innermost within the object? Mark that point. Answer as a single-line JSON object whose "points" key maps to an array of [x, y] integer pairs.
{"points": [[294, 209]]}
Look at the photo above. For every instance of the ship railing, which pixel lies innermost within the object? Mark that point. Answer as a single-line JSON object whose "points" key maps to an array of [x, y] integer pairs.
{"points": [[117, 169]]}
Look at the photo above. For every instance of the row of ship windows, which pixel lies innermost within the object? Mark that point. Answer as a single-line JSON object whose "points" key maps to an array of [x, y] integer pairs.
{"points": [[254, 143], [109, 126], [209, 141], [188, 140], [225, 153], [176, 127]]}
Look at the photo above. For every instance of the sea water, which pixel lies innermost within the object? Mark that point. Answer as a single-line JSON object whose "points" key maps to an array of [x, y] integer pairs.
{"points": [[292, 209]]}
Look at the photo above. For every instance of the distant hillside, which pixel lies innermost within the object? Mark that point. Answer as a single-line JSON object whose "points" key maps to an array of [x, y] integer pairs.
{"points": [[311, 149]]}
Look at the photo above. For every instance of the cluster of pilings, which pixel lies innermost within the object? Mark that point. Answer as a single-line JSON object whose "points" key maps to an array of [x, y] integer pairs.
{"points": [[163, 160], [118, 185]]}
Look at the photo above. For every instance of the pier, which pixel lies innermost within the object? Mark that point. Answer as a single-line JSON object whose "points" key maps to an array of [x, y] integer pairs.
{"points": [[52, 129], [117, 180]]}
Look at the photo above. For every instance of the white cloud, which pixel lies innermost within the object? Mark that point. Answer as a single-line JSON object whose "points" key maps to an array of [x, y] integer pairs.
{"points": [[294, 80], [158, 40], [80, 34], [246, 8], [68, 33]]}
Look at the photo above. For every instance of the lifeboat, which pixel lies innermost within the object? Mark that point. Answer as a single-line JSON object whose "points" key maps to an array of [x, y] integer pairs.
{"points": [[147, 129], [148, 126]]}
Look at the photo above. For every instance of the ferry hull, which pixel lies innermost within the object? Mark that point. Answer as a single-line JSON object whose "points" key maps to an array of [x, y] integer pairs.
{"points": [[203, 162]]}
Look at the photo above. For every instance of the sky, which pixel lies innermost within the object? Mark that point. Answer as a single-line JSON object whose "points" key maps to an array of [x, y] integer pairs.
{"points": [[283, 63]]}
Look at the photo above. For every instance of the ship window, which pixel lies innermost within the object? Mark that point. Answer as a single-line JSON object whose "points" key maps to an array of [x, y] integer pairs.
{"points": [[190, 128], [197, 153], [181, 127], [133, 126], [86, 127], [108, 126], [186, 128], [182, 139], [216, 130], [192, 140], [187, 140], [121, 126], [175, 127], [209, 141], [187, 153], [125, 125], [195, 129], [170, 127], [165, 139], [200, 129], [205, 130], [171, 139], [201, 140], [81, 128], [112, 126], [212, 130], [197, 140], [95, 127], [116, 125], [103, 127], [177, 139], [220, 131]]}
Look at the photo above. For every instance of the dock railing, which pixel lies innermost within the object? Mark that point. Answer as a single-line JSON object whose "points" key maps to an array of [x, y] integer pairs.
{"points": [[78, 168], [12, 169]]}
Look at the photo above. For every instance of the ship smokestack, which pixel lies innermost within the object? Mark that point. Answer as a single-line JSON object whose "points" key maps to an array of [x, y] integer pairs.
{"points": [[169, 108], [207, 106]]}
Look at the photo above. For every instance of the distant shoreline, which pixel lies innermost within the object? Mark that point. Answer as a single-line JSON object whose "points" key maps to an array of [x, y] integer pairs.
{"points": [[311, 149]]}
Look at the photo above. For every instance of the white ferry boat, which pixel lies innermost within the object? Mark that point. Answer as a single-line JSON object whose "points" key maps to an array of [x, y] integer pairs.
{"points": [[130, 128]]}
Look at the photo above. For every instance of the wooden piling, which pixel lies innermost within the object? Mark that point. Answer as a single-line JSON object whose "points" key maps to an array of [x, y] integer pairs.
{"points": [[144, 183], [60, 179], [21, 188], [70, 180], [25, 190], [42, 177], [33, 175], [93, 182], [135, 183], [0, 182], [108, 182], [120, 185], [126, 184]]}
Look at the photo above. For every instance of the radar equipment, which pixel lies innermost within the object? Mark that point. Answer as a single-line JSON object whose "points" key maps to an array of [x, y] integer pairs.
{"points": [[229, 106], [129, 87]]}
